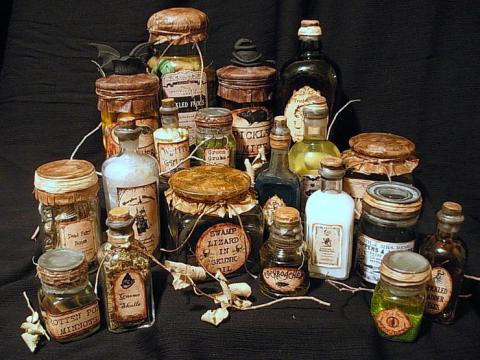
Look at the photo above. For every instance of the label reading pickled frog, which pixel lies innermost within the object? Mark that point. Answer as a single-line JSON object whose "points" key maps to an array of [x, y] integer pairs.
{"points": [[223, 247], [217, 156], [439, 291], [251, 128], [393, 322], [129, 296], [326, 245], [171, 154], [80, 235], [283, 279]]}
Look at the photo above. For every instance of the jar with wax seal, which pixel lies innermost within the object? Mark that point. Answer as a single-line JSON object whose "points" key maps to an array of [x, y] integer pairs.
{"points": [[128, 97], [398, 300], [246, 87], [69, 208], [178, 37], [214, 138], [215, 219], [68, 304], [377, 157]]}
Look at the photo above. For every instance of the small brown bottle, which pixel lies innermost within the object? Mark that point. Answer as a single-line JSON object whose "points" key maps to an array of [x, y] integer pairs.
{"points": [[447, 254]]}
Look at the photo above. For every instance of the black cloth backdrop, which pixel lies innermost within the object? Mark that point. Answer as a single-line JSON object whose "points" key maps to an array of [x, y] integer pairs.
{"points": [[414, 65]]}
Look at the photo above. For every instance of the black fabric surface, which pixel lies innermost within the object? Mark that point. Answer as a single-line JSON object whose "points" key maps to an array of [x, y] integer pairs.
{"points": [[414, 64]]}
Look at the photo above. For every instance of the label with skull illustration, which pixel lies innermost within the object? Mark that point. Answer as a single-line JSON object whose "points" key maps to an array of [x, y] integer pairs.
{"points": [[223, 247], [283, 279], [129, 297], [393, 322], [439, 291]]}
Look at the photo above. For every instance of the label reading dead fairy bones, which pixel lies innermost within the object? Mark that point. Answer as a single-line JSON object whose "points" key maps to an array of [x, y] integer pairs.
{"points": [[80, 235], [217, 156], [129, 296], [143, 206], [393, 322], [171, 154], [73, 323], [283, 279], [326, 245], [190, 95], [439, 291], [223, 247], [251, 128]]}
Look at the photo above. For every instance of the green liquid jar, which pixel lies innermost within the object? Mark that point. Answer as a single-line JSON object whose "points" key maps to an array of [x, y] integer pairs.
{"points": [[399, 298]]}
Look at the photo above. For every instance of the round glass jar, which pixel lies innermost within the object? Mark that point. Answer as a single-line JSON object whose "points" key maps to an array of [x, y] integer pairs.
{"points": [[68, 304], [181, 62], [214, 138], [246, 87], [215, 219], [128, 97], [377, 157], [390, 213], [69, 208], [399, 298]]}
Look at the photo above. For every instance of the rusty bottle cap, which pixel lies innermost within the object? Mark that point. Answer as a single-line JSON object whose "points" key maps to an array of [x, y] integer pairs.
{"points": [[310, 29], [286, 215], [405, 268], [280, 137]]}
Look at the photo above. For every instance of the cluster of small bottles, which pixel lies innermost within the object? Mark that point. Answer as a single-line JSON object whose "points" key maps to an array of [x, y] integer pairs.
{"points": [[216, 213]]}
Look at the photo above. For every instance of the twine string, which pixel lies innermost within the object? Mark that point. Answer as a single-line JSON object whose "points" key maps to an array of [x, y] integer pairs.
{"points": [[336, 115]]}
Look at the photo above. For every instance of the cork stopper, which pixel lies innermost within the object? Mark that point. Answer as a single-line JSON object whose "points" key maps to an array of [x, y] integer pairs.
{"points": [[280, 137], [213, 118], [119, 214], [332, 168], [168, 102], [310, 28], [119, 222], [287, 215], [450, 213], [451, 208], [405, 268], [126, 129], [317, 110]]}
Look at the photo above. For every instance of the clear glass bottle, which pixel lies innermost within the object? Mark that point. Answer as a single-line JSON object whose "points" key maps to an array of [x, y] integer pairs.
{"points": [[398, 300], [131, 179], [305, 156], [214, 137], [171, 141], [447, 254], [126, 277], [329, 224], [306, 78], [283, 260], [68, 304]]}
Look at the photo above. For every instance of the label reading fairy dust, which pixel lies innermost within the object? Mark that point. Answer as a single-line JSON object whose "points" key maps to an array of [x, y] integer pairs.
{"points": [[223, 247], [370, 253], [309, 184], [283, 279], [171, 154], [293, 111], [189, 89], [326, 245], [251, 128], [80, 235], [129, 297], [439, 291], [393, 322], [145, 140], [217, 156], [73, 323], [142, 202]]}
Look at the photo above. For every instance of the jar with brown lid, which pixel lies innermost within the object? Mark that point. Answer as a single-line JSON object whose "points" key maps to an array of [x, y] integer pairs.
{"points": [[128, 97], [180, 60], [69, 208], [246, 87], [377, 157]]}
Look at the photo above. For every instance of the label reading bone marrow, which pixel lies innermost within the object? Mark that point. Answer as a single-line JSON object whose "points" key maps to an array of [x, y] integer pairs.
{"points": [[80, 235], [143, 206], [130, 297], [326, 245], [217, 156], [283, 279], [251, 128], [145, 140], [73, 323], [171, 154], [393, 322], [223, 247], [439, 291]]}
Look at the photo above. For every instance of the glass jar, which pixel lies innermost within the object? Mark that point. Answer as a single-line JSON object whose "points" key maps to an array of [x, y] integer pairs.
{"points": [[399, 297], [69, 209], [214, 138], [283, 260], [181, 62], [246, 87], [377, 157], [215, 219], [68, 304], [390, 213], [128, 97]]}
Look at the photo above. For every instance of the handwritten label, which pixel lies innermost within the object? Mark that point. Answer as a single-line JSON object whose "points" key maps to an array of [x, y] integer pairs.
{"points": [[130, 297], [80, 235], [283, 279], [171, 154], [217, 156], [251, 128], [393, 322], [326, 245], [439, 291]]}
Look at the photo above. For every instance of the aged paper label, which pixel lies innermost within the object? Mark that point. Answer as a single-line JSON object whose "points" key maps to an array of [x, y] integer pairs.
{"points": [[439, 291], [326, 245], [171, 154], [393, 322], [142, 201], [283, 279], [251, 128], [223, 247], [271, 205], [356, 188], [130, 297], [217, 156], [80, 235], [73, 323]]}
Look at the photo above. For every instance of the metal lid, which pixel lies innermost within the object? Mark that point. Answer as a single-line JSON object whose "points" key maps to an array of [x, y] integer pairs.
{"points": [[393, 197], [280, 137], [310, 28], [286, 215], [62, 267], [213, 117], [405, 268]]}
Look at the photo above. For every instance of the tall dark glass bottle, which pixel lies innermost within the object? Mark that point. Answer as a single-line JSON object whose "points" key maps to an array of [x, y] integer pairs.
{"points": [[447, 254]]}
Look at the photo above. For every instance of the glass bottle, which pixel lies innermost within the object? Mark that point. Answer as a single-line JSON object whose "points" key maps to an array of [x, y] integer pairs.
{"points": [[283, 261], [277, 185], [126, 276], [329, 221], [131, 179], [68, 304], [447, 254], [171, 141], [305, 156], [398, 300], [306, 78]]}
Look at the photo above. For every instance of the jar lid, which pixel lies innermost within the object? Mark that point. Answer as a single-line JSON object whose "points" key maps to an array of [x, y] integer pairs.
{"points": [[393, 197], [62, 267], [178, 25], [280, 137], [213, 117], [405, 268], [450, 213], [210, 183], [286, 215], [310, 28], [382, 145]]}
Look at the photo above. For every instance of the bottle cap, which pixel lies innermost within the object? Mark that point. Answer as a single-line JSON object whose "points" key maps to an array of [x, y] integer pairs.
{"points": [[450, 213], [286, 215], [405, 268], [331, 168], [310, 28]]}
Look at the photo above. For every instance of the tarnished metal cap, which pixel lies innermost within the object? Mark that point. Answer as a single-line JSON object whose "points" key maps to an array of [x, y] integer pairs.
{"points": [[62, 268], [405, 268], [393, 197], [213, 117]]}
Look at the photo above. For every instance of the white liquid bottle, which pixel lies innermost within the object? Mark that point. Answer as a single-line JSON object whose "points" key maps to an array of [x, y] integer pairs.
{"points": [[329, 224], [131, 180]]}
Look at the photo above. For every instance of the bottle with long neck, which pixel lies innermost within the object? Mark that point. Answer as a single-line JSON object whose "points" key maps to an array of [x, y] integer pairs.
{"points": [[447, 254], [329, 224]]}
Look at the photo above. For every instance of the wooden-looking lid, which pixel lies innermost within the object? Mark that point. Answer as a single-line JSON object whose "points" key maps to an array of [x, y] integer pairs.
{"points": [[331, 162], [382, 145], [286, 215]]}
